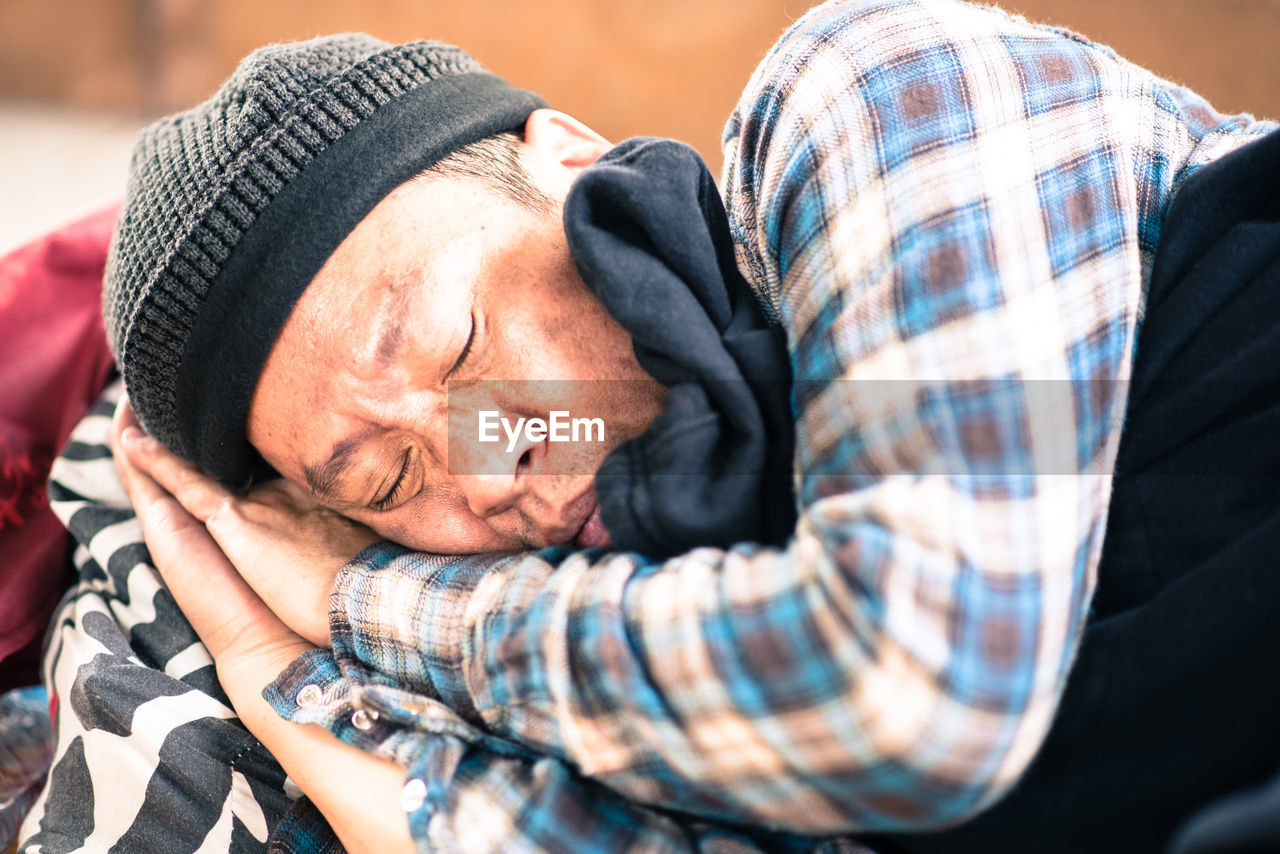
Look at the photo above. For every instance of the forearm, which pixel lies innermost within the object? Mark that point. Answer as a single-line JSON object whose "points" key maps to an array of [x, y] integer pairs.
{"points": [[357, 793], [762, 685]]}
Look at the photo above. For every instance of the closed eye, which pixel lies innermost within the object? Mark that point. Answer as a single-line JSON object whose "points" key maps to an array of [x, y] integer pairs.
{"points": [[388, 500], [466, 348]]}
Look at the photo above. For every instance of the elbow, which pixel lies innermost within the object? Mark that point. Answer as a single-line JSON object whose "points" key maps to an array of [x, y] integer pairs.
{"points": [[937, 801], [924, 778], [941, 755], [957, 763]]}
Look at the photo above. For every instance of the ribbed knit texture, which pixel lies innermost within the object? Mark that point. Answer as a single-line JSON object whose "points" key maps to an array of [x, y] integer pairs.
{"points": [[200, 179]]}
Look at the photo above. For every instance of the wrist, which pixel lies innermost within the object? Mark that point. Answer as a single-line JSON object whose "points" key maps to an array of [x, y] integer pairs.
{"points": [[245, 671]]}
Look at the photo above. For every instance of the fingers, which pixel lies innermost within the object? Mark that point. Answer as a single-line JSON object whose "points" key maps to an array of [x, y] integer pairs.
{"points": [[156, 509], [277, 544], [166, 524], [171, 530], [188, 559], [122, 418], [221, 606], [200, 494]]}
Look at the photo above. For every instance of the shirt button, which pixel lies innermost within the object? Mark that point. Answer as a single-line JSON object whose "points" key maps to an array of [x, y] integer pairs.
{"points": [[363, 720], [413, 795], [309, 696]]}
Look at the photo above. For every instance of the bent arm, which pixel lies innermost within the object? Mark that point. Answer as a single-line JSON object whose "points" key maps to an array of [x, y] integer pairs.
{"points": [[959, 278], [855, 681]]}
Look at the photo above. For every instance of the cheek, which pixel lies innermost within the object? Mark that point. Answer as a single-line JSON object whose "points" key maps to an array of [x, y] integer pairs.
{"points": [[537, 342], [560, 330], [437, 526], [635, 404]]}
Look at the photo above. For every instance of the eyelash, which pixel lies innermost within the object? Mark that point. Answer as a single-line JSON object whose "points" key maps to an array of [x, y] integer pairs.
{"points": [[466, 348], [385, 503]]}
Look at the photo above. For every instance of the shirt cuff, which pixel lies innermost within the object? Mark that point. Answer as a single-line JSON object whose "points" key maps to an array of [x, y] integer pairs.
{"points": [[425, 794], [310, 690]]}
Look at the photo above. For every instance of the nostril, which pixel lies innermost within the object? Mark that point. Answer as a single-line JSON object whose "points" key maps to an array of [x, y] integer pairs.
{"points": [[526, 459]]}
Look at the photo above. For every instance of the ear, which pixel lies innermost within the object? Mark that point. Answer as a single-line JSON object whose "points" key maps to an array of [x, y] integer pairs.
{"points": [[560, 146]]}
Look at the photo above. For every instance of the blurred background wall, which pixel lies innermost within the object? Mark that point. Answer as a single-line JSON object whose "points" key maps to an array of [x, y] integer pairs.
{"points": [[77, 77]]}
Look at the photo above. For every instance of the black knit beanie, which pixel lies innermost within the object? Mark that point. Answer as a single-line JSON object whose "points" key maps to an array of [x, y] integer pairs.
{"points": [[235, 205]]}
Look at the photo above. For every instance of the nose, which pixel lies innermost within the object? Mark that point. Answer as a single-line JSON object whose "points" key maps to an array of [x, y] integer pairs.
{"points": [[493, 477], [489, 494]]}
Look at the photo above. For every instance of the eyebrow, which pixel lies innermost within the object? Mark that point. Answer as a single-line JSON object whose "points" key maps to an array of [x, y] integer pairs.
{"points": [[324, 478]]}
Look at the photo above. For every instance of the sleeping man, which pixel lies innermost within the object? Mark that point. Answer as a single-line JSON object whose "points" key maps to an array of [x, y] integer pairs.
{"points": [[819, 562]]}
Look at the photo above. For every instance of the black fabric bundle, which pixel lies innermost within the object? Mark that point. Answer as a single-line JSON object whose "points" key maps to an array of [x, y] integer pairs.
{"points": [[649, 235], [1172, 700]]}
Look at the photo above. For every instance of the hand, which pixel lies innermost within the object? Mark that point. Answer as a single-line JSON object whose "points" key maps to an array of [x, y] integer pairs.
{"points": [[250, 645], [248, 642], [287, 547]]}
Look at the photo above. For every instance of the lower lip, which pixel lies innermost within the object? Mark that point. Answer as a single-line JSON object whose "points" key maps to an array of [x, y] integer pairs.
{"points": [[593, 535]]}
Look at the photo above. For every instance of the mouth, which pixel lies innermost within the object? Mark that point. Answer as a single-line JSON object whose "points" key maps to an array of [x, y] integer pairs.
{"points": [[592, 533], [584, 530]]}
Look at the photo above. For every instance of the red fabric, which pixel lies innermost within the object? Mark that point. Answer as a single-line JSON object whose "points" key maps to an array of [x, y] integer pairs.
{"points": [[54, 362]]}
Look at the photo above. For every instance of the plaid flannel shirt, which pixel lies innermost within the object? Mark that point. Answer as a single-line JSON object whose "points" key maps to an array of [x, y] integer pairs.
{"points": [[953, 213]]}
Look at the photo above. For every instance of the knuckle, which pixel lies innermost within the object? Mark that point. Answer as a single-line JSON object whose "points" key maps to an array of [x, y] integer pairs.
{"points": [[226, 514]]}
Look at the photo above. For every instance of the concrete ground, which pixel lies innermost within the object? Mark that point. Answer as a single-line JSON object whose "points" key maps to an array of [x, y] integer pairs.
{"points": [[57, 163]]}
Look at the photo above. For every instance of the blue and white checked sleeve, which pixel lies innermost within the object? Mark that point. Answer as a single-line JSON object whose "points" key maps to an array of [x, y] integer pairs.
{"points": [[952, 212], [469, 790]]}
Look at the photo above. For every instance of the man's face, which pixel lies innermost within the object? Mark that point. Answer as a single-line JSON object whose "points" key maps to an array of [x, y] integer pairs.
{"points": [[446, 288]]}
